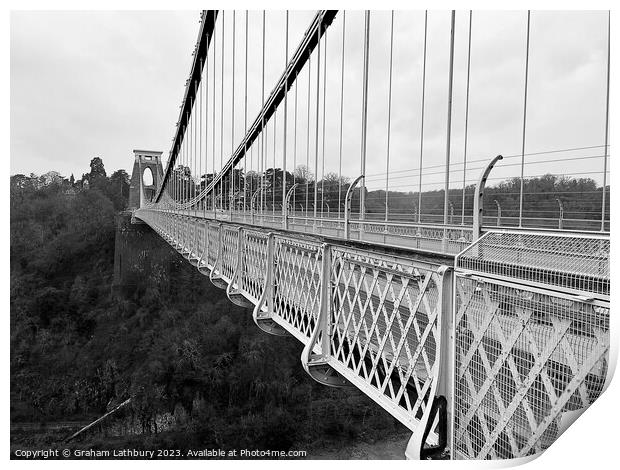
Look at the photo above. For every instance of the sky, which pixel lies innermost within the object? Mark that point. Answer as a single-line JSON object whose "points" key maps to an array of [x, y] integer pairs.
{"points": [[87, 84]]}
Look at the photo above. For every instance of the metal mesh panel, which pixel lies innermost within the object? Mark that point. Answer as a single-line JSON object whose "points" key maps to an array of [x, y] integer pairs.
{"points": [[191, 243], [431, 238], [184, 233], [200, 238], [296, 283], [578, 263], [385, 328], [230, 237], [175, 229], [253, 264], [526, 360], [213, 243]]}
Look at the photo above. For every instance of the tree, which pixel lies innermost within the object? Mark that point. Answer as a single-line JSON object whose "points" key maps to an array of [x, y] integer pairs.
{"points": [[49, 178], [118, 189], [303, 174], [97, 176], [97, 168]]}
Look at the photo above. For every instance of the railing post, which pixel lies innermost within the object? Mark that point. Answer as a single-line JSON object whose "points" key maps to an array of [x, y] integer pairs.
{"points": [[325, 303], [204, 255], [213, 277], [445, 384], [262, 319], [347, 205], [441, 396], [499, 213], [478, 198], [252, 204], [317, 365], [285, 206], [186, 238], [177, 226], [233, 291], [561, 219], [231, 198]]}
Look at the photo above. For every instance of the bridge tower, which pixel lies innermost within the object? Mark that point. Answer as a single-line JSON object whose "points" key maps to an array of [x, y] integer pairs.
{"points": [[145, 178]]}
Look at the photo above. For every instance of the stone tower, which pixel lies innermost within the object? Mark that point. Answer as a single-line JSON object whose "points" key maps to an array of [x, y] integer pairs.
{"points": [[142, 189]]}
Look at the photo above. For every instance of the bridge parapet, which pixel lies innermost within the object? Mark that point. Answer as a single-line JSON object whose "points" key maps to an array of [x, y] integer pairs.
{"points": [[367, 319], [490, 354], [531, 340]]}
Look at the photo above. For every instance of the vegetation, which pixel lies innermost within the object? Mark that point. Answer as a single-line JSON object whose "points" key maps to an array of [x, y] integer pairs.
{"points": [[171, 340]]}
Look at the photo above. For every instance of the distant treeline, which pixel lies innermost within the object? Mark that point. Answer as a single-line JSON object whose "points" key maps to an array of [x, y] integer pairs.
{"points": [[581, 198]]}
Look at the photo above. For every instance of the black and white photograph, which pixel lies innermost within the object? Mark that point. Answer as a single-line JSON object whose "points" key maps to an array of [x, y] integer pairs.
{"points": [[284, 233]]}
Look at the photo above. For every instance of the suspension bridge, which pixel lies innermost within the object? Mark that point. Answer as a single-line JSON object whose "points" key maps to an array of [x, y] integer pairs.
{"points": [[466, 294]]}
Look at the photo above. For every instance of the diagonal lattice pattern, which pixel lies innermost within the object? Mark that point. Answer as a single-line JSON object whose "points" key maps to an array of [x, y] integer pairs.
{"points": [[253, 264], [213, 241], [385, 315], [525, 361], [229, 249], [200, 240], [296, 283]]}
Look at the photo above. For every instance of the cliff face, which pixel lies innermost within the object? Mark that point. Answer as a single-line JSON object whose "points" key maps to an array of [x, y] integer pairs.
{"points": [[139, 254]]}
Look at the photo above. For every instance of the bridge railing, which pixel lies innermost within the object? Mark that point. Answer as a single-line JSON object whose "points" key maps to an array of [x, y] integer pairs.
{"points": [[531, 340], [366, 319], [439, 238], [493, 356]]}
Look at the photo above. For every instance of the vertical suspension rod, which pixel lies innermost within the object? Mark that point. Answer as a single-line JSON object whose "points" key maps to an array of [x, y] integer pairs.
{"points": [[245, 118], [446, 199], [341, 112], [389, 119], [527, 65], [262, 155], [214, 126], [466, 120], [422, 117], [323, 141], [603, 205], [364, 116], [286, 88], [231, 193], [223, 181], [308, 140], [318, 101]]}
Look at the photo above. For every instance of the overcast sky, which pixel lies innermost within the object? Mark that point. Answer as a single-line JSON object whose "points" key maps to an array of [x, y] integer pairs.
{"points": [[87, 84]]}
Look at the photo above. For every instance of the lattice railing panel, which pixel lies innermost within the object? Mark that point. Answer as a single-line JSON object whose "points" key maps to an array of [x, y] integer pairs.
{"points": [[254, 263], [200, 239], [213, 243], [296, 283], [228, 251], [525, 361], [192, 242], [385, 316]]}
